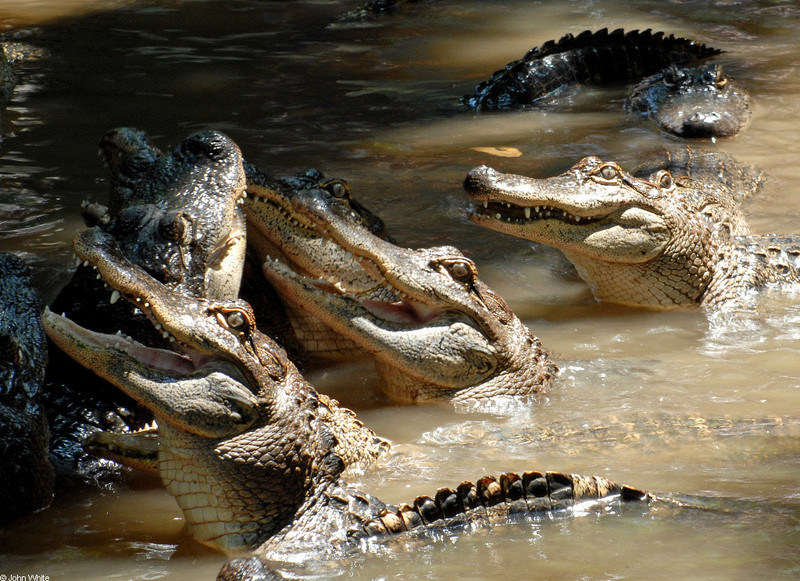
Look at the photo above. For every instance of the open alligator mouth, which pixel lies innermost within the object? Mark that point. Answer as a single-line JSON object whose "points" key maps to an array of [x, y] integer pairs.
{"points": [[383, 301], [514, 214]]}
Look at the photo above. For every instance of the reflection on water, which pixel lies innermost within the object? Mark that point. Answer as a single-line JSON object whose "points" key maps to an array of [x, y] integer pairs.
{"points": [[376, 104]]}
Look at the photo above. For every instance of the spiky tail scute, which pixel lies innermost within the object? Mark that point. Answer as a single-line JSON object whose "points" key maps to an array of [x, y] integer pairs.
{"points": [[493, 499]]}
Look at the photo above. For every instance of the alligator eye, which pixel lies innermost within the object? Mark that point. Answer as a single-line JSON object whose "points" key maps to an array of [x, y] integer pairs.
{"points": [[674, 77], [175, 226], [610, 172], [235, 318], [461, 270], [337, 188], [664, 180]]}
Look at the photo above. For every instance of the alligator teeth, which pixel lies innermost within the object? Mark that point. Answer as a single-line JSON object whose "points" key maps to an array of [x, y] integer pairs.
{"points": [[527, 213], [98, 277], [86, 263], [165, 334], [486, 203], [114, 297], [497, 216], [577, 218]]}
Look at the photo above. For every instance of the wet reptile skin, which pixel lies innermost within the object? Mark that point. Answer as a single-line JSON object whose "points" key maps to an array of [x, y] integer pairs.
{"points": [[433, 328], [659, 241]]}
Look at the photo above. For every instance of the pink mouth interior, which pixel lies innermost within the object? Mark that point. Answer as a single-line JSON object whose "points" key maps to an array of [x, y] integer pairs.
{"points": [[403, 312]]}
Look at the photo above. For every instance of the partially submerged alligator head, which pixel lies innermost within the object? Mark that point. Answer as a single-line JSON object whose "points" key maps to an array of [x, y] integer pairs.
{"points": [[175, 214], [692, 102], [699, 102], [657, 241], [26, 475], [434, 329], [254, 468]]}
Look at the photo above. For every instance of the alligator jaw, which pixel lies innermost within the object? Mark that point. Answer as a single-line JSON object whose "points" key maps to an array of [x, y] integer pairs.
{"points": [[577, 212]]}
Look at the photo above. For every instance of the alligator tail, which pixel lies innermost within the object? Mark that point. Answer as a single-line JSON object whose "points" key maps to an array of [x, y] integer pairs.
{"points": [[599, 57], [493, 500]]}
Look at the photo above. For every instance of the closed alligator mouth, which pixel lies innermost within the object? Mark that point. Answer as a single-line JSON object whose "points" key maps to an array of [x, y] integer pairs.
{"points": [[514, 214]]}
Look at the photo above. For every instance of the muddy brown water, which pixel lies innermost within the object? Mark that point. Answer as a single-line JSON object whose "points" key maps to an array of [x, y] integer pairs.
{"points": [[376, 104]]}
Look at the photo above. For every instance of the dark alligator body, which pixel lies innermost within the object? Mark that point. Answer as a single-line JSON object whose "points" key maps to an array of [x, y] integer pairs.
{"points": [[701, 102], [600, 57], [26, 475]]}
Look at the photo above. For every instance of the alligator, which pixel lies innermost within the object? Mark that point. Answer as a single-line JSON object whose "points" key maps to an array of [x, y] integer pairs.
{"points": [[659, 241], [302, 335], [206, 329], [254, 469], [705, 107], [692, 102], [177, 215], [433, 328], [26, 475]]}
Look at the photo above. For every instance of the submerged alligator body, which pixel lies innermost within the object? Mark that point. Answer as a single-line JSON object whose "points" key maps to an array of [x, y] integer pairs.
{"points": [[252, 465], [686, 102], [177, 215], [433, 328], [659, 241], [26, 475]]}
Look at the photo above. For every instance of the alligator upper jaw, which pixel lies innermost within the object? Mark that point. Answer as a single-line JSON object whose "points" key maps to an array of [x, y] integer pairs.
{"points": [[206, 396], [379, 301], [602, 222]]}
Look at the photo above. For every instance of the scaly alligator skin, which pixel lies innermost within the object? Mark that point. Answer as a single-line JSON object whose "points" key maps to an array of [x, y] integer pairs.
{"points": [[435, 331], [26, 475], [177, 215], [659, 241], [701, 102], [591, 57], [301, 334], [254, 470], [204, 330], [692, 102]]}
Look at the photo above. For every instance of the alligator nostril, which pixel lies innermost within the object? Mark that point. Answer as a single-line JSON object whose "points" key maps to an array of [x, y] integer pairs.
{"points": [[211, 145]]}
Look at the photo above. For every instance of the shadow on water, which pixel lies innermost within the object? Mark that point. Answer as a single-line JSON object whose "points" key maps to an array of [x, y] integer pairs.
{"points": [[377, 104]]}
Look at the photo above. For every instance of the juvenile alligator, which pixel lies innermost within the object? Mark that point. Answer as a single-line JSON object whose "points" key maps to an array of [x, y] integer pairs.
{"points": [[207, 329], [659, 241], [26, 475], [254, 470], [177, 215], [692, 102], [696, 105], [434, 329]]}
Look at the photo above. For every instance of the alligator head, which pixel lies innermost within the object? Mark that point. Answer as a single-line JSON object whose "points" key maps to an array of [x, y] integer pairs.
{"points": [[433, 328], [692, 102], [177, 216], [203, 330], [650, 242]]}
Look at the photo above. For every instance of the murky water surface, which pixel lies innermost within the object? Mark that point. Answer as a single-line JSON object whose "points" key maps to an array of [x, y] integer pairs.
{"points": [[376, 104]]}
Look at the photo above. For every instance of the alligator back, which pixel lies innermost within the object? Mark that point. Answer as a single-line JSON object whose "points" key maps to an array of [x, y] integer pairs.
{"points": [[600, 57]]}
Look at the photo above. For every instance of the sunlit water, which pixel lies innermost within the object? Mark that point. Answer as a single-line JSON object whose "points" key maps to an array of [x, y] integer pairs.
{"points": [[377, 105]]}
